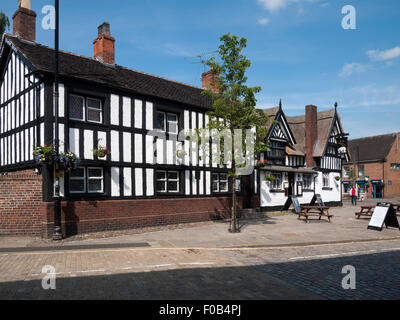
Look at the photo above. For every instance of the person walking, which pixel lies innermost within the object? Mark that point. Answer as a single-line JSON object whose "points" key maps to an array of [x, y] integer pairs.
{"points": [[353, 194]]}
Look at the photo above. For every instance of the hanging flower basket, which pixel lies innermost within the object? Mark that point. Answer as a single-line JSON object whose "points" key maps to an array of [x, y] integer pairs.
{"points": [[262, 163], [337, 178], [101, 152], [62, 162], [66, 162], [269, 177], [44, 155]]}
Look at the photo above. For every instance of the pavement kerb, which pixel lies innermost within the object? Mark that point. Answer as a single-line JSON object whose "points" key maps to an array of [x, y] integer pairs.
{"points": [[241, 248]]}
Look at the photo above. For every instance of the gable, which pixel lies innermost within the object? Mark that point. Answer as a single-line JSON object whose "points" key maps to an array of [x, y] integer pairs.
{"points": [[14, 73], [280, 130]]}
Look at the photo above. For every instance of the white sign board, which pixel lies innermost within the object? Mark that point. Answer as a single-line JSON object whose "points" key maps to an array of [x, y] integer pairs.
{"points": [[378, 217]]}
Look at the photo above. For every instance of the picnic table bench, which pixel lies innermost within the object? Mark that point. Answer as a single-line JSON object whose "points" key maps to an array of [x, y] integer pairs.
{"points": [[366, 211], [315, 211]]}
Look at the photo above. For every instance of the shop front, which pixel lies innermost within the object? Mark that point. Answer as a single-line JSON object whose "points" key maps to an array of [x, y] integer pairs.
{"points": [[377, 188]]}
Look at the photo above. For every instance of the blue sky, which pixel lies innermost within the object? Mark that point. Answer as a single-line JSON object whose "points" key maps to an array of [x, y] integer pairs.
{"points": [[298, 48]]}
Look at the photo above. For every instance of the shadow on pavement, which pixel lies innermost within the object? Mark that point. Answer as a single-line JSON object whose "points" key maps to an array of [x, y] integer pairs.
{"points": [[377, 277]]}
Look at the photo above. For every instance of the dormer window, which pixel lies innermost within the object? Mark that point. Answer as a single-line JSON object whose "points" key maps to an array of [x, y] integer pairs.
{"points": [[85, 109]]}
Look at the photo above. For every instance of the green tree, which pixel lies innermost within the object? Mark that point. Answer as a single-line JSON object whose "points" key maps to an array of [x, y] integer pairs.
{"points": [[4, 24], [234, 103]]}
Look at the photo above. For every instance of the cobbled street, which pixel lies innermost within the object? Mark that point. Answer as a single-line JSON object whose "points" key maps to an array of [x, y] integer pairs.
{"points": [[265, 261]]}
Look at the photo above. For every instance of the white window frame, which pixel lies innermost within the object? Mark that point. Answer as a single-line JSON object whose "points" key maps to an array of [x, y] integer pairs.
{"points": [[326, 178], [85, 111], [174, 122], [274, 184], [79, 178], [305, 177], [166, 180], [166, 122], [219, 180], [95, 178]]}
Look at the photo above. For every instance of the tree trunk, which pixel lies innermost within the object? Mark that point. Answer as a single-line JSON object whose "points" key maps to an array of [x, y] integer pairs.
{"points": [[234, 227]]}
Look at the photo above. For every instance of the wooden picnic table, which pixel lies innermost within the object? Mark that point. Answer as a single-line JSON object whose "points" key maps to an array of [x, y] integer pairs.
{"points": [[366, 211], [315, 211]]}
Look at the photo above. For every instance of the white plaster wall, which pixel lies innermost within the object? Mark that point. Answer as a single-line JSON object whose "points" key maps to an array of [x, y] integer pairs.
{"points": [[114, 110], [139, 181], [138, 114], [115, 190], [126, 112], [114, 146], [127, 182]]}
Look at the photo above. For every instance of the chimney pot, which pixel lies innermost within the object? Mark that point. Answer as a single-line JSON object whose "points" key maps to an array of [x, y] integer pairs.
{"points": [[104, 29]]}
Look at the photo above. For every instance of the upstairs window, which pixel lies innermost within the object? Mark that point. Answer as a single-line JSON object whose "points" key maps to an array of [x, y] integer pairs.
{"points": [[347, 172], [85, 109], [277, 152], [166, 122], [395, 166], [361, 170]]}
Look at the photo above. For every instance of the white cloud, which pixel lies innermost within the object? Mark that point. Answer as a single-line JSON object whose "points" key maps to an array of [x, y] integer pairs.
{"points": [[350, 68], [378, 55], [263, 21], [275, 5]]}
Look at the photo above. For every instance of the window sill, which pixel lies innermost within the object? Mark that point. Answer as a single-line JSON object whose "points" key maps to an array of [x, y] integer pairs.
{"points": [[327, 189], [277, 191], [308, 190]]}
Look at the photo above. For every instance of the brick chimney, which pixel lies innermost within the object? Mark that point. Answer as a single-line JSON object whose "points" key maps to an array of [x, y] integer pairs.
{"points": [[24, 21], [210, 80], [104, 45], [311, 134]]}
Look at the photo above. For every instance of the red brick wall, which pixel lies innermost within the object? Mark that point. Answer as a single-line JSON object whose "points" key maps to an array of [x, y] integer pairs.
{"points": [[93, 216], [393, 175], [104, 49], [21, 206]]}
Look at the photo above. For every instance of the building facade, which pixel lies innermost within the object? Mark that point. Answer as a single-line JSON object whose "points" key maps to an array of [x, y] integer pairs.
{"points": [[304, 159], [374, 167], [151, 176]]}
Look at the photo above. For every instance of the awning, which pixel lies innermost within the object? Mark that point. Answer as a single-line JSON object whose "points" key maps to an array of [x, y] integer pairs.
{"points": [[289, 169], [346, 182]]}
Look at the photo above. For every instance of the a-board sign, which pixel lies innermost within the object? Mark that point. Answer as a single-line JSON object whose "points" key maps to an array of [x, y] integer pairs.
{"points": [[296, 204], [317, 199], [383, 214]]}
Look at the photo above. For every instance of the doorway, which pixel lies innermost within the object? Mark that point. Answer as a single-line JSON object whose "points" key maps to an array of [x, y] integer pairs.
{"points": [[377, 190], [245, 186]]}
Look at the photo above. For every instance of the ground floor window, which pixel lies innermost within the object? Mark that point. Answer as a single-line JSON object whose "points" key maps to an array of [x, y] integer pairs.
{"points": [[167, 181], [307, 181], [325, 180], [220, 182], [277, 182], [86, 180]]}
